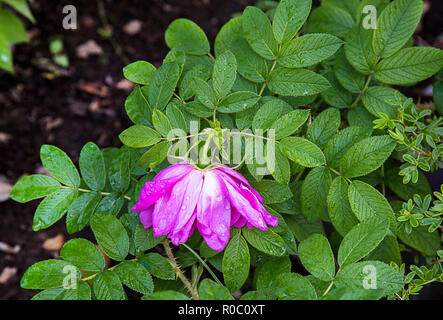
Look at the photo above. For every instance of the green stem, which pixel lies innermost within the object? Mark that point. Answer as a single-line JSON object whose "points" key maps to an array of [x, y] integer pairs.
{"points": [[99, 192], [269, 74], [328, 288], [203, 263], [362, 91]]}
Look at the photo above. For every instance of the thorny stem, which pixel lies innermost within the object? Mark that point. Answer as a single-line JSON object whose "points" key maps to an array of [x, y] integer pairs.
{"points": [[362, 91], [99, 192], [192, 290]]}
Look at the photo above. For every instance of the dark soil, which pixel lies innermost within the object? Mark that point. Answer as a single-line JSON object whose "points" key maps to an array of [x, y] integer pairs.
{"points": [[36, 109]]}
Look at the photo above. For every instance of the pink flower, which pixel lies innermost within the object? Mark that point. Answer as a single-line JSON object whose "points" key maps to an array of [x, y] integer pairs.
{"points": [[182, 198]]}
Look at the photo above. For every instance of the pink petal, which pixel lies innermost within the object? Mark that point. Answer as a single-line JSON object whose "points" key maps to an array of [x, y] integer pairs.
{"points": [[146, 217], [162, 218], [214, 212], [240, 223], [239, 179], [162, 183], [242, 204], [192, 185], [184, 233]]}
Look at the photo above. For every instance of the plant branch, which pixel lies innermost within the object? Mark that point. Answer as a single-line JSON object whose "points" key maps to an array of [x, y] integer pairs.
{"points": [[192, 290]]}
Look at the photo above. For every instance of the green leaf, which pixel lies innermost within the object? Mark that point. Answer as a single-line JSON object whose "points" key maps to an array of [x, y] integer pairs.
{"points": [[366, 156], [187, 36], [278, 165], [359, 116], [22, 7], [250, 65], [119, 173], [409, 66], [135, 276], [387, 251], [12, 28], [313, 194], [137, 106], [339, 209], [293, 286], [324, 126], [296, 82], [236, 261], [271, 191], [176, 117], [336, 95], [111, 235], [308, 50], [210, 290], [362, 239], [144, 239], [224, 74], [92, 166], [342, 141], [228, 34], [111, 204], [83, 254], [267, 115], [52, 208], [316, 256], [33, 187], [266, 241], [5, 54], [82, 291], [358, 50], [198, 109], [139, 72], [302, 151], [283, 230], [395, 25], [48, 274], [366, 202], [289, 123], [348, 77], [155, 155], [406, 191], [139, 136], [158, 266], [107, 286], [204, 93], [301, 227], [238, 101], [161, 123], [81, 210], [330, 19], [383, 99], [59, 165], [165, 295], [289, 17], [163, 85], [258, 31], [356, 275], [351, 6], [200, 71], [267, 275], [420, 239]]}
